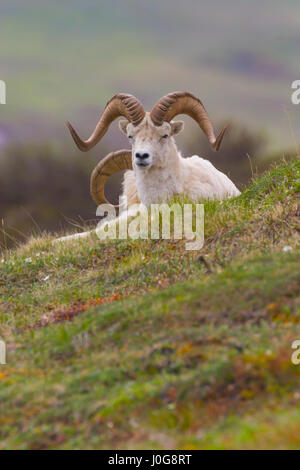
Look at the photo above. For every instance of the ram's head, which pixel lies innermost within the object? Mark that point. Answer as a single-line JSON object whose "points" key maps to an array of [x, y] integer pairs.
{"points": [[148, 132]]}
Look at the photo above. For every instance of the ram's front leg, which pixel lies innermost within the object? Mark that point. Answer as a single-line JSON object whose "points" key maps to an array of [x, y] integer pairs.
{"points": [[130, 207], [129, 194]]}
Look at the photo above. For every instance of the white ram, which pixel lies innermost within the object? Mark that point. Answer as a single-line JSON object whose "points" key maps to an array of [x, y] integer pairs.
{"points": [[156, 170]]}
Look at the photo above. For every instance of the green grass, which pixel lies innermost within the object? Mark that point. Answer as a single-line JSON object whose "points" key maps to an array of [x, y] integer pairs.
{"points": [[142, 344]]}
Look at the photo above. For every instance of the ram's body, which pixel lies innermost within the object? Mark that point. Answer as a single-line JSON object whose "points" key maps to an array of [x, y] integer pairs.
{"points": [[198, 179]]}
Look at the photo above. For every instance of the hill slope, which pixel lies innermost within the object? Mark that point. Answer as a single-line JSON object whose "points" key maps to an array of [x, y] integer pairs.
{"points": [[63, 60], [141, 344]]}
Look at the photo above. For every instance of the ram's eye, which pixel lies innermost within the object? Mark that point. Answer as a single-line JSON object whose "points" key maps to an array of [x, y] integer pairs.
{"points": [[165, 136], [130, 137]]}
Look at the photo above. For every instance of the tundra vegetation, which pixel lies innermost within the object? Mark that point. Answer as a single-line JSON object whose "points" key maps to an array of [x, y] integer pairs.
{"points": [[247, 65], [142, 344]]}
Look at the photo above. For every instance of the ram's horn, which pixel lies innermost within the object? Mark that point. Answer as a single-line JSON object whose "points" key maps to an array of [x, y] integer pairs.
{"points": [[120, 105], [113, 162], [182, 102]]}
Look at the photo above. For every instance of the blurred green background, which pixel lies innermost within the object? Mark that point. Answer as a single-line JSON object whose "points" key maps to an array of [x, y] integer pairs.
{"points": [[64, 59]]}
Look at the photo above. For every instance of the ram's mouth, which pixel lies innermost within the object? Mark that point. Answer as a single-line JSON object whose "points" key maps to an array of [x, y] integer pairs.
{"points": [[143, 165]]}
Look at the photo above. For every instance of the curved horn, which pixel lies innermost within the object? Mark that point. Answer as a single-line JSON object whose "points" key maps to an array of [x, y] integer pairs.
{"points": [[182, 102], [113, 162], [120, 105]]}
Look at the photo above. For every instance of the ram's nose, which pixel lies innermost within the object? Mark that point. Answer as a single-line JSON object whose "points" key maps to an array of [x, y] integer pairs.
{"points": [[141, 155]]}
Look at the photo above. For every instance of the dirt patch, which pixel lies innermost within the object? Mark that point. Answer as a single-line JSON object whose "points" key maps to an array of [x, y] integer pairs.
{"points": [[62, 315]]}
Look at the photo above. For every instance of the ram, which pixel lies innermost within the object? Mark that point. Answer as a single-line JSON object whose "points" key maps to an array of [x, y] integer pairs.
{"points": [[156, 171]]}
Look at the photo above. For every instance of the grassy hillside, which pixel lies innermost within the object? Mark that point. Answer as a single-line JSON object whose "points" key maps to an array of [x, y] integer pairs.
{"points": [[141, 344], [63, 60]]}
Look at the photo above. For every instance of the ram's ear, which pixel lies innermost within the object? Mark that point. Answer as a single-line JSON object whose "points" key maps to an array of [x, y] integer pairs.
{"points": [[176, 127], [123, 126]]}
